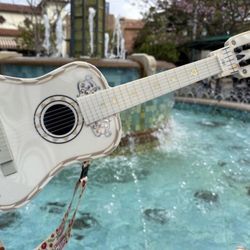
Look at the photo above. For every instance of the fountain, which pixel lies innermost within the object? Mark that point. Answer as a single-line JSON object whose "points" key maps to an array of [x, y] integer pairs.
{"points": [[46, 43], [119, 40], [92, 13], [106, 45], [59, 36]]}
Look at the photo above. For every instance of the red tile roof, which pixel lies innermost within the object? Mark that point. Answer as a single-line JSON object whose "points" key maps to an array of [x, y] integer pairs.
{"points": [[132, 23], [9, 32], [17, 8]]}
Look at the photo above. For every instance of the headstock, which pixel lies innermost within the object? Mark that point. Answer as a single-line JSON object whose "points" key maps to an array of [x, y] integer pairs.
{"points": [[240, 44], [235, 56]]}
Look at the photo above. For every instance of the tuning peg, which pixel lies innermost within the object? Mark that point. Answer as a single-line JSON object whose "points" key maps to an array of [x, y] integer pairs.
{"points": [[244, 63], [240, 56], [246, 46], [238, 49]]}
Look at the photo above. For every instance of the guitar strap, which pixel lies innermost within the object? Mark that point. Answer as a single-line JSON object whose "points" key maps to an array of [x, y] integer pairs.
{"points": [[60, 237]]}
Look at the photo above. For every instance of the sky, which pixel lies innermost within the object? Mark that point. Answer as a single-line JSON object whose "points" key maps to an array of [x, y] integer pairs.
{"points": [[122, 8]]}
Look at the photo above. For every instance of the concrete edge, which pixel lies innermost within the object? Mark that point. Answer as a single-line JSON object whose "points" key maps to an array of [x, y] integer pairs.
{"points": [[210, 102]]}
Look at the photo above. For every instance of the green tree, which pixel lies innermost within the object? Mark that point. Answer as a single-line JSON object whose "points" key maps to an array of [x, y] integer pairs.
{"points": [[31, 36], [32, 29], [173, 24]]}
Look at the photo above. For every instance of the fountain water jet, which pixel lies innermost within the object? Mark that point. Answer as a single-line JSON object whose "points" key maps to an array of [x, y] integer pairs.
{"points": [[106, 48], [119, 40], [46, 43], [59, 36], [132, 165], [92, 13]]}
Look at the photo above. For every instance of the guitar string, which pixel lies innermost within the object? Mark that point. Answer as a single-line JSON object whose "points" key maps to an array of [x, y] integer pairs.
{"points": [[165, 78], [160, 93], [130, 100]]}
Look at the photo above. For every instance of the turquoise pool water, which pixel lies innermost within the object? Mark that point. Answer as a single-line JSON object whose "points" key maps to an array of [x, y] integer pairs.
{"points": [[191, 192]]}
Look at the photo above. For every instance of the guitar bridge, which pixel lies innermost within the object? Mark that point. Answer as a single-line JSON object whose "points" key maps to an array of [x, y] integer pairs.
{"points": [[6, 159]]}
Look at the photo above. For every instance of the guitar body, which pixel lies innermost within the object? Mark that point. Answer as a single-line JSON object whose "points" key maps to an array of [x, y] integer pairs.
{"points": [[42, 129]]}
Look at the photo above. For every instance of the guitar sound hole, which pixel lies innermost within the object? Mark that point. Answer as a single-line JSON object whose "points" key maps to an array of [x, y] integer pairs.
{"points": [[59, 120]]}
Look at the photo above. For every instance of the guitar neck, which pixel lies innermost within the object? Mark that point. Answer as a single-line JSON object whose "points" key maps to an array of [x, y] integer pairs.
{"points": [[107, 102]]}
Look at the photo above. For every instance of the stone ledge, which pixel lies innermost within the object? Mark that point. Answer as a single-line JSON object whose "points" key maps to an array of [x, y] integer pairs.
{"points": [[211, 102]]}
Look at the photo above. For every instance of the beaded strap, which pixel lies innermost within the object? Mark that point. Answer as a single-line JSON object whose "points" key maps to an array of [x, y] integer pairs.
{"points": [[60, 237]]}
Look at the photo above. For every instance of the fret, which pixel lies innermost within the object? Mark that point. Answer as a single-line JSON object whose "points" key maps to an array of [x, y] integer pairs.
{"points": [[141, 96], [123, 101], [158, 85], [150, 87], [93, 102], [103, 103], [167, 86], [201, 72], [128, 99], [119, 98], [98, 111], [177, 78], [112, 102], [137, 93], [90, 106], [192, 73], [131, 93], [172, 79], [184, 77], [143, 87]]}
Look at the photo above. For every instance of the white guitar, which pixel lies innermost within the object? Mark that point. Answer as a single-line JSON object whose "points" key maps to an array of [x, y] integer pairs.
{"points": [[71, 114]]}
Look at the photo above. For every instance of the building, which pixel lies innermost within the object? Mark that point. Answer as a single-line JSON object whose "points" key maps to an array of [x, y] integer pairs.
{"points": [[14, 15], [130, 29], [11, 16]]}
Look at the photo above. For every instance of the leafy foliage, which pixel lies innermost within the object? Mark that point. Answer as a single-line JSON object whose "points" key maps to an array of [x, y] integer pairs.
{"points": [[28, 39], [169, 25]]}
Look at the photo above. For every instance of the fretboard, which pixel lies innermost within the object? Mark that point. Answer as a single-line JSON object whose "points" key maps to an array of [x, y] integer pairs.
{"points": [[107, 102]]}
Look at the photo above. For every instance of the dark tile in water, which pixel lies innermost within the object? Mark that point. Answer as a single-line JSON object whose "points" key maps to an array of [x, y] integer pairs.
{"points": [[157, 215], [235, 178], [78, 237], [248, 190], [221, 137], [56, 204], [8, 219], [54, 207], [85, 221], [244, 161], [207, 196], [211, 124], [222, 163], [55, 210], [236, 147]]}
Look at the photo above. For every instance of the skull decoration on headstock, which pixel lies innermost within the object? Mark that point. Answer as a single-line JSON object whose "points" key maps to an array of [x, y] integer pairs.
{"points": [[234, 58]]}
